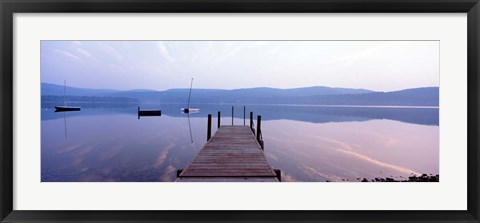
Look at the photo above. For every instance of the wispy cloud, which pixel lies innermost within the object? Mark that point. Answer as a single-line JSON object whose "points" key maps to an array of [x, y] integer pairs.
{"points": [[168, 176], [68, 54], [230, 51], [377, 162], [68, 149], [314, 173], [367, 53], [84, 53], [117, 68], [163, 155], [342, 145], [160, 159], [164, 51], [87, 55], [273, 64], [111, 52]]}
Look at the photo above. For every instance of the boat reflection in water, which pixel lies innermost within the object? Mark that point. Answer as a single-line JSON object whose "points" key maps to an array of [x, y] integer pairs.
{"points": [[308, 143]]}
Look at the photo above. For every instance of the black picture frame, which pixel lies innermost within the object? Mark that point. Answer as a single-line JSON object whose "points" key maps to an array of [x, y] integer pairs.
{"points": [[9, 7]]}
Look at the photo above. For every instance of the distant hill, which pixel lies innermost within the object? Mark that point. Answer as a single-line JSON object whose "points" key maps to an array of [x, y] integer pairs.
{"points": [[54, 89], [428, 96]]}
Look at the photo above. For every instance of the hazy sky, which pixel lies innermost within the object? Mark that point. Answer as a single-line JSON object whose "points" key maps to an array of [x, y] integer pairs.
{"points": [[160, 65]]}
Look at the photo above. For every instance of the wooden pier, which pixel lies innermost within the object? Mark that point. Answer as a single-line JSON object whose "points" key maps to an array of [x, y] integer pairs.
{"points": [[233, 154]]}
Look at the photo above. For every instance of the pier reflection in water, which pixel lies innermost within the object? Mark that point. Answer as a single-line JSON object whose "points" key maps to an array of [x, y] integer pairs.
{"points": [[308, 143]]}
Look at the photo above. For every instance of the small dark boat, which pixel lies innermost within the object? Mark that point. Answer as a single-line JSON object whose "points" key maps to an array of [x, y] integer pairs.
{"points": [[151, 112], [66, 108]]}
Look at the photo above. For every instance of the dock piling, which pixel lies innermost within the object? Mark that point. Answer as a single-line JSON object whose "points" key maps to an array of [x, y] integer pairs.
{"points": [[251, 120], [209, 127], [218, 121], [259, 132], [259, 122], [179, 171], [278, 172], [243, 115], [232, 115], [231, 155]]}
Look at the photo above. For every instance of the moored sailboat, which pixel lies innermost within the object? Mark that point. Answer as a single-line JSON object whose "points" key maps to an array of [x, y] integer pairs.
{"points": [[65, 108], [188, 109]]}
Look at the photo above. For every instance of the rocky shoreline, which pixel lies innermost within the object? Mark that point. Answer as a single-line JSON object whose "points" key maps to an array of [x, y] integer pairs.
{"points": [[414, 178]]}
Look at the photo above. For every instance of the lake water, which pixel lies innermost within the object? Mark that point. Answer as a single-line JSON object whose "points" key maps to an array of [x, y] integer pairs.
{"points": [[307, 143]]}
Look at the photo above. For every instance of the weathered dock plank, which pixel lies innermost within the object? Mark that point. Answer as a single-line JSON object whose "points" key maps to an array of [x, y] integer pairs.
{"points": [[232, 154]]}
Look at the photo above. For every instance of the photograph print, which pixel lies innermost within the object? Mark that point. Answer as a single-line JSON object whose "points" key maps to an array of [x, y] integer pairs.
{"points": [[240, 111]]}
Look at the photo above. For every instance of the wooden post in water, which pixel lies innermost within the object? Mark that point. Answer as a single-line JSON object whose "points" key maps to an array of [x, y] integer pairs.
{"points": [[243, 115], [278, 172], [218, 115], [251, 121], [232, 115], [209, 127], [179, 171], [259, 121]]}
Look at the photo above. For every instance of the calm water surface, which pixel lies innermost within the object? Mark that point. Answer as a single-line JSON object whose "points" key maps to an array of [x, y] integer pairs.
{"points": [[308, 143]]}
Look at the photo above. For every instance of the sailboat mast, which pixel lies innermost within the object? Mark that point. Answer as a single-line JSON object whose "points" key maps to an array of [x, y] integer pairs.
{"points": [[64, 92], [190, 93]]}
